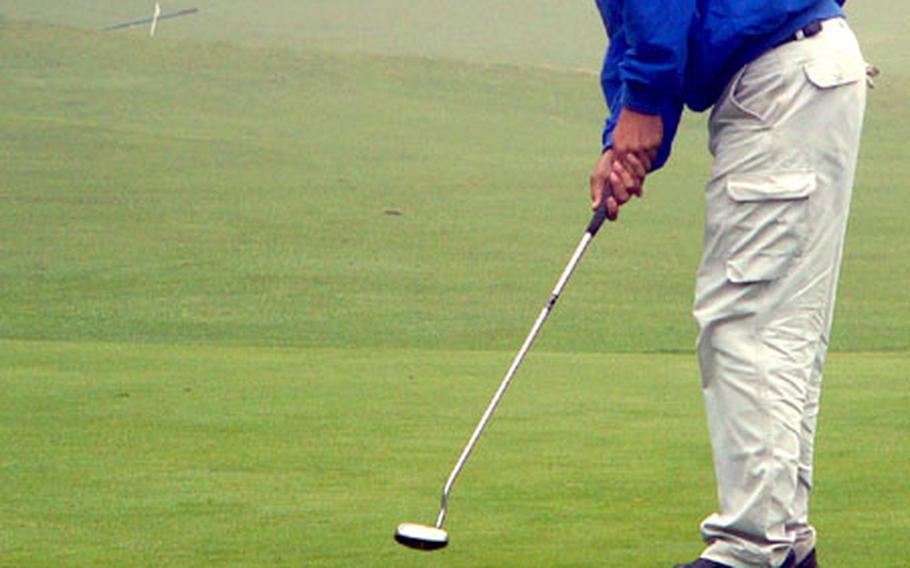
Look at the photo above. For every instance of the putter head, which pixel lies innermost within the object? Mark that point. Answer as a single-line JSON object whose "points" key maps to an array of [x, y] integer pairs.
{"points": [[421, 537]]}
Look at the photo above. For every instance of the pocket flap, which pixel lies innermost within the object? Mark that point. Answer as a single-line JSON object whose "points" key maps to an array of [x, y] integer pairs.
{"points": [[771, 186], [833, 73]]}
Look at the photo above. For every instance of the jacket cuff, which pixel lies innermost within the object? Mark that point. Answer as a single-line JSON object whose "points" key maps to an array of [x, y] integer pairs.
{"points": [[644, 99], [606, 141]]}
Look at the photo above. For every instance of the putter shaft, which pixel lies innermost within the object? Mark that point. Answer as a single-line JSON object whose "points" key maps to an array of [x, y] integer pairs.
{"points": [[596, 222]]}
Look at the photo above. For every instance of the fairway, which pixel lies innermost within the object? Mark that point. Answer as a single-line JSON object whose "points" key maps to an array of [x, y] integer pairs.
{"points": [[260, 274]]}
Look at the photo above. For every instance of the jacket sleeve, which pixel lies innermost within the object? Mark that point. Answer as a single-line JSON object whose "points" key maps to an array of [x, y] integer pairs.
{"points": [[654, 65], [611, 84], [644, 68]]}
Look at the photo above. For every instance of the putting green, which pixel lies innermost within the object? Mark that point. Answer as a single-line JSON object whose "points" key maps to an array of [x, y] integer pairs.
{"points": [[128, 455]]}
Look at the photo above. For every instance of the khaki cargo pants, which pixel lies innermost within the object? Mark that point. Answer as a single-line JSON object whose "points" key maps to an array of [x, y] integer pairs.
{"points": [[784, 136]]}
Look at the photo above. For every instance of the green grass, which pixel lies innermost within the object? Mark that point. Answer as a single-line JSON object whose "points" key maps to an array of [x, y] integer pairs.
{"points": [[522, 32], [181, 191], [124, 455], [217, 348]]}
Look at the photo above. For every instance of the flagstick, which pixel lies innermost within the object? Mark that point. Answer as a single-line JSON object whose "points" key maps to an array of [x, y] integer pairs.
{"points": [[155, 19]]}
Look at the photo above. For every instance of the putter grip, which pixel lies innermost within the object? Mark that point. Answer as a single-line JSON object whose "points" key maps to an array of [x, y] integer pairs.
{"points": [[600, 214]]}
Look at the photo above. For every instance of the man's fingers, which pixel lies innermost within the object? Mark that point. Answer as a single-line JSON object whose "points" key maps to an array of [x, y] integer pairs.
{"points": [[624, 182], [612, 209], [602, 189], [619, 187], [599, 179], [635, 181], [637, 165], [597, 190], [601, 197]]}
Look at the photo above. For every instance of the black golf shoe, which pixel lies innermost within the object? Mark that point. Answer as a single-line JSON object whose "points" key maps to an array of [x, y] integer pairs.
{"points": [[809, 561], [703, 563]]}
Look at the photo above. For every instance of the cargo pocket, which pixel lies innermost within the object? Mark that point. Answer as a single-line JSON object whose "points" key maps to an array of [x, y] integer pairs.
{"points": [[755, 89], [768, 224], [835, 72]]}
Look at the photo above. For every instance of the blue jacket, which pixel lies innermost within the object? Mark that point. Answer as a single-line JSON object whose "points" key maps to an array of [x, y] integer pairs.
{"points": [[670, 53]]}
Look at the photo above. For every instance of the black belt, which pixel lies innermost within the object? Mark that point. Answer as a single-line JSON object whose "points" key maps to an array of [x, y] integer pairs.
{"points": [[809, 30]]}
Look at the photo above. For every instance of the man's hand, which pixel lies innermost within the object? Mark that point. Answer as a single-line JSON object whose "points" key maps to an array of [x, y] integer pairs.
{"points": [[636, 143], [639, 135], [627, 178], [622, 169], [616, 183], [601, 191]]}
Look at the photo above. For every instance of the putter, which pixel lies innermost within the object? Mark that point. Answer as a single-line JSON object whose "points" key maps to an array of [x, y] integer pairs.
{"points": [[425, 537]]}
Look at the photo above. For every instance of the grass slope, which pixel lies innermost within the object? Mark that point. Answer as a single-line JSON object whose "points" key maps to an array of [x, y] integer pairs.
{"points": [[547, 33], [178, 191], [167, 192]]}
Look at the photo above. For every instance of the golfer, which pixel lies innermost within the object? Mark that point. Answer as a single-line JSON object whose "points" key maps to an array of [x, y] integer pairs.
{"points": [[785, 80]]}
